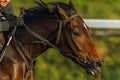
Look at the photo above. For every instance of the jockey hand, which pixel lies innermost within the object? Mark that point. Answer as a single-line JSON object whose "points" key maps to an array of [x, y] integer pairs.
{"points": [[20, 21], [17, 21]]}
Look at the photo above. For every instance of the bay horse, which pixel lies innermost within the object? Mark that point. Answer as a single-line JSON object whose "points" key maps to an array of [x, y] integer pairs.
{"points": [[52, 24]]}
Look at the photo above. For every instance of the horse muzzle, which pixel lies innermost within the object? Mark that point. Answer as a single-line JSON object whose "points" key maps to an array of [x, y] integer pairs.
{"points": [[94, 67]]}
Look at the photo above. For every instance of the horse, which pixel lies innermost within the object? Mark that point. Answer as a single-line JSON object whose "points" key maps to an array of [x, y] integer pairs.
{"points": [[52, 24]]}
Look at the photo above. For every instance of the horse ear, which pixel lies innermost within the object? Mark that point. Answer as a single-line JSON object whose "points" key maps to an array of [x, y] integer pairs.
{"points": [[71, 4], [62, 12]]}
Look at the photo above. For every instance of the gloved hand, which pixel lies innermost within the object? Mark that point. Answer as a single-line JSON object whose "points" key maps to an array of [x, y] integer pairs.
{"points": [[16, 21], [20, 21]]}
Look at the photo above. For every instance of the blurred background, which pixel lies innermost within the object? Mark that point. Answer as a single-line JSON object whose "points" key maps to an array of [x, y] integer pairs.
{"points": [[53, 66]]}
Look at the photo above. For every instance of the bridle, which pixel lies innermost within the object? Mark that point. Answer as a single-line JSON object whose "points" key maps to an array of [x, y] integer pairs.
{"points": [[62, 24], [77, 57]]}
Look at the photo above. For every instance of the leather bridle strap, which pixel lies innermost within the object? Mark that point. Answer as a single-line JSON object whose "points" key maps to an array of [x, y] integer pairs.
{"points": [[64, 23], [70, 18], [72, 46], [76, 56], [61, 22], [59, 31]]}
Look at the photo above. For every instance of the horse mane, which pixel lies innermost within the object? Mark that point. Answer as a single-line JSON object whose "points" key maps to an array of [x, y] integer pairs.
{"points": [[43, 10]]}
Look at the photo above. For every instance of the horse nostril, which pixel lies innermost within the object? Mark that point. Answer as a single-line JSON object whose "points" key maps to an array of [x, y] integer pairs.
{"points": [[98, 64]]}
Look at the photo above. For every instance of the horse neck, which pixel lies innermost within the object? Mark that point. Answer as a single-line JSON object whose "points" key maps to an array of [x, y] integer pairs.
{"points": [[42, 27]]}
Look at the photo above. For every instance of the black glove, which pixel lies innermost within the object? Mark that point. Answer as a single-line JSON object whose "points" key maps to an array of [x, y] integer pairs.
{"points": [[16, 21], [20, 21]]}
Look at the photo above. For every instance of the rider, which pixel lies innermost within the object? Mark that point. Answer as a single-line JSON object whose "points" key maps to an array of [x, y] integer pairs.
{"points": [[5, 9]]}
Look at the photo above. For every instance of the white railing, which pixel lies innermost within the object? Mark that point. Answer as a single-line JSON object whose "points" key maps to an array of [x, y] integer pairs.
{"points": [[103, 23]]}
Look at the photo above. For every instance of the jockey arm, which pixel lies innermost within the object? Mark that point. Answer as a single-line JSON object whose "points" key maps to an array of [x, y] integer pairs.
{"points": [[7, 13], [6, 8]]}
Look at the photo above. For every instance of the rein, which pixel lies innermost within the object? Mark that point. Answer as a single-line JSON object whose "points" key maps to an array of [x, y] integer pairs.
{"points": [[39, 37], [62, 24]]}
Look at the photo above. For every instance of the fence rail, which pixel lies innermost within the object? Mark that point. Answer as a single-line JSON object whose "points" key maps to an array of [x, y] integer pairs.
{"points": [[103, 23]]}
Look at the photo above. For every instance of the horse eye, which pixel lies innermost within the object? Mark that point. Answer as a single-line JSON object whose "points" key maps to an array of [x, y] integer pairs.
{"points": [[76, 33]]}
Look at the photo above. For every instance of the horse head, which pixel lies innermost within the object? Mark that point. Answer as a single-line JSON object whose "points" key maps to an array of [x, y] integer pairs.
{"points": [[79, 45], [72, 34]]}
